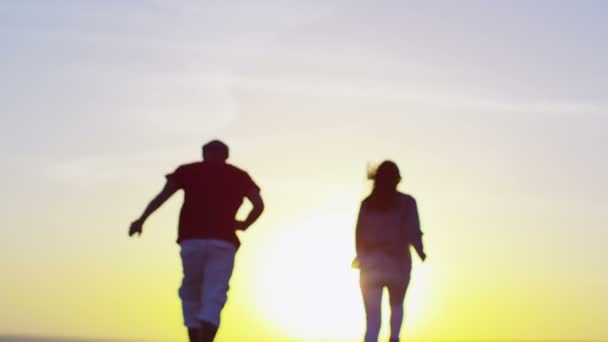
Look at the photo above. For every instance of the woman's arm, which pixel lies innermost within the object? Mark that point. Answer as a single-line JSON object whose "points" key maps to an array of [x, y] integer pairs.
{"points": [[417, 232], [359, 242], [419, 248]]}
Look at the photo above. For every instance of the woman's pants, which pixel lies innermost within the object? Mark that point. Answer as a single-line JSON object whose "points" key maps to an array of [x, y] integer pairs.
{"points": [[372, 286]]}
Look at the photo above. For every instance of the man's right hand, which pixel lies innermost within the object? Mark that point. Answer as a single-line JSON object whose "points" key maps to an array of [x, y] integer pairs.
{"points": [[136, 227]]}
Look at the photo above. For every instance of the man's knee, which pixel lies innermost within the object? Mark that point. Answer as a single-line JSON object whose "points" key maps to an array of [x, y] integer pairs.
{"points": [[190, 290], [212, 307], [210, 314]]}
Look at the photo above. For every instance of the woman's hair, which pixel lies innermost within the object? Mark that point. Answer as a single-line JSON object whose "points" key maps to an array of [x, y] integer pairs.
{"points": [[384, 195]]}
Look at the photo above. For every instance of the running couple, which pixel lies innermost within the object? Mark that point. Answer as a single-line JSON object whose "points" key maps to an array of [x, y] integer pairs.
{"points": [[213, 193]]}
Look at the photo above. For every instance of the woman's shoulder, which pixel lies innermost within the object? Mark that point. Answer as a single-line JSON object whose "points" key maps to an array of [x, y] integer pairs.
{"points": [[365, 201], [407, 199]]}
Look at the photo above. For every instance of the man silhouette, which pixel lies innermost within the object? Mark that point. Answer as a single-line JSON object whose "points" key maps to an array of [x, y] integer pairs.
{"points": [[213, 192]]}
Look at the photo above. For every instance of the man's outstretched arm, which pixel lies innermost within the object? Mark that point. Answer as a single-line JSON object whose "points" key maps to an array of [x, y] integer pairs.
{"points": [[258, 207], [168, 190]]}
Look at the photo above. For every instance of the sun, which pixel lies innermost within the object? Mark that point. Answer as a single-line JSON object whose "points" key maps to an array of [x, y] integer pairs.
{"points": [[305, 286]]}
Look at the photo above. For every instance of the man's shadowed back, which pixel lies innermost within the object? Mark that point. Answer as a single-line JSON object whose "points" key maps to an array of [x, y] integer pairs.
{"points": [[213, 193]]}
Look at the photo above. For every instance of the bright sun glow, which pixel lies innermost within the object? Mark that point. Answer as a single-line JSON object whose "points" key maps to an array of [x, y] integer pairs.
{"points": [[307, 289]]}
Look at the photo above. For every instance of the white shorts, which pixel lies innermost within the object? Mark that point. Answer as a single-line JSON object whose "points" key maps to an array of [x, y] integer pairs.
{"points": [[207, 265]]}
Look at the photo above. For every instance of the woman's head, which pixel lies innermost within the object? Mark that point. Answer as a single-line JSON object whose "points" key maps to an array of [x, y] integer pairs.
{"points": [[386, 177]]}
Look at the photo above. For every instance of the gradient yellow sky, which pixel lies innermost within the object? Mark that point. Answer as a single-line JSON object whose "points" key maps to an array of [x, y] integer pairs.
{"points": [[495, 114]]}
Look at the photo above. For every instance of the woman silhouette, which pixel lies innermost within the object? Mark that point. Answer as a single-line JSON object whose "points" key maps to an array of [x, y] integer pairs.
{"points": [[387, 226]]}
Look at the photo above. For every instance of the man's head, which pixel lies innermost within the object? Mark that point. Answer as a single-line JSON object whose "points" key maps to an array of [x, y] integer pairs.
{"points": [[215, 150]]}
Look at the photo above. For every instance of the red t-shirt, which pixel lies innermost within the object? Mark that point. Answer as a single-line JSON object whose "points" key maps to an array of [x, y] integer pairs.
{"points": [[213, 193]]}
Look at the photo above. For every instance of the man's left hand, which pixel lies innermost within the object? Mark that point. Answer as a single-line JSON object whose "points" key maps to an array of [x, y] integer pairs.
{"points": [[239, 225]]}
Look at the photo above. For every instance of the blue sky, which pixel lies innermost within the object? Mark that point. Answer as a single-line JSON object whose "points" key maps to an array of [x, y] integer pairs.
{"points": [[94, 61]]}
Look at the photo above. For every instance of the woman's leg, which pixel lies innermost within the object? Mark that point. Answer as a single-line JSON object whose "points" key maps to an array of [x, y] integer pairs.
{"points": [[372, 299], [396, 295]]}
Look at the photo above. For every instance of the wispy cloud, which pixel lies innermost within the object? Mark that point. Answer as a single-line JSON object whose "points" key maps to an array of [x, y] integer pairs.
{"points": [[431, 97]]}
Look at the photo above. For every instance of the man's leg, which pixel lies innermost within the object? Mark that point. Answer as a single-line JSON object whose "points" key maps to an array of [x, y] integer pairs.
{"points": [[192, 255], [194, 334], [207, 332], [219, 264], [372, 299]]}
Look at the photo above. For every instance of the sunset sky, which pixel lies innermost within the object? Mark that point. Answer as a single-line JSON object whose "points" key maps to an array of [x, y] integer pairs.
{"points": [[495, 111]]}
